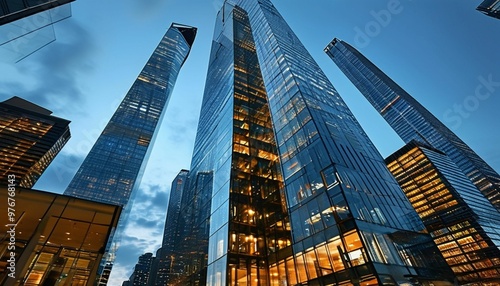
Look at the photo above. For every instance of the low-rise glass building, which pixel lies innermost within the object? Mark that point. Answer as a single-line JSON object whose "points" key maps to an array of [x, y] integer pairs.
{"points": [[52, 239]]}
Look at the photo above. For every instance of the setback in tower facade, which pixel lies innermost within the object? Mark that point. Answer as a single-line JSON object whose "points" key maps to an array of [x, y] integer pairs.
{"points": [[285, 187], [410, 119]]}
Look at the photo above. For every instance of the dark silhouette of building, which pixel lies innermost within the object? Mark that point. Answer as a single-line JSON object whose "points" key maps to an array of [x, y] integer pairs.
{"points": [[167, 253], [142, 270]]}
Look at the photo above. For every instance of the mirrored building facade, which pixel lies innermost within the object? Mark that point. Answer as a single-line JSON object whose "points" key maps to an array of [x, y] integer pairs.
{"points": [[30, 138], [113, 169], [464, 224], [410, 119], [285, 187]]}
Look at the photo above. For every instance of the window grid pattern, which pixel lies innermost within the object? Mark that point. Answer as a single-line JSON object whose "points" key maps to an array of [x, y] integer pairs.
{"points": [[29, 142], [112, 171], [335, 180], [114, 166], [410, 119], [464, 226]]}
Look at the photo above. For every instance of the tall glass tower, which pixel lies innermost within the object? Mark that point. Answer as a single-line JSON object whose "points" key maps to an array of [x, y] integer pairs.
{"points": [[410, 119], [285, 186], [114, 166], [112, 171]]}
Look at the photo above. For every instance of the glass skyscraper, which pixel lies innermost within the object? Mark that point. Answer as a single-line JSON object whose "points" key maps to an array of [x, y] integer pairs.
{"points": [[464, 225], [171, 233], [114, 166], [285, 187], [410, 119], [112, 170], [30, 138]]}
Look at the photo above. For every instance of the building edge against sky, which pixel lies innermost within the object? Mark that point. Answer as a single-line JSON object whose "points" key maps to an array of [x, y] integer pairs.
{"points": [[462, 222], [164, 267], [30, 139], [172, 228], [409, 119], [126, 142], [490, 8], [342, 204], [27, 26]]}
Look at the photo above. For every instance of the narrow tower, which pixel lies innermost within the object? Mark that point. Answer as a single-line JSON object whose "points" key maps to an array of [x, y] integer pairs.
{"points": [[112, 171], [30, 138], [410, 119]]}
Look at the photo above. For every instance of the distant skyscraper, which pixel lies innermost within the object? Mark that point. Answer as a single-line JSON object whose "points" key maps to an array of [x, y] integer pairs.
{"points": [[142, 269], [285, 188], [30, 138], [27, 26], [410, 119], [463, 223], [112, 171], [172, 229], [490, 8], [153, 274]]}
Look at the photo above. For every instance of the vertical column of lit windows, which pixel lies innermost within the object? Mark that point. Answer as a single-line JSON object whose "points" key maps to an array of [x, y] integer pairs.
{"points": [[29, 143]]}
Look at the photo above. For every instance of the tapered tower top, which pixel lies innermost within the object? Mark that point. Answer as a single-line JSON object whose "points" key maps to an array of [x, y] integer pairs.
{"points": [[188, 32]]}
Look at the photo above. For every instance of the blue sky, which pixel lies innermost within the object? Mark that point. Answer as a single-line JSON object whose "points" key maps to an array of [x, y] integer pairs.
{"points": [[444, 53]]}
